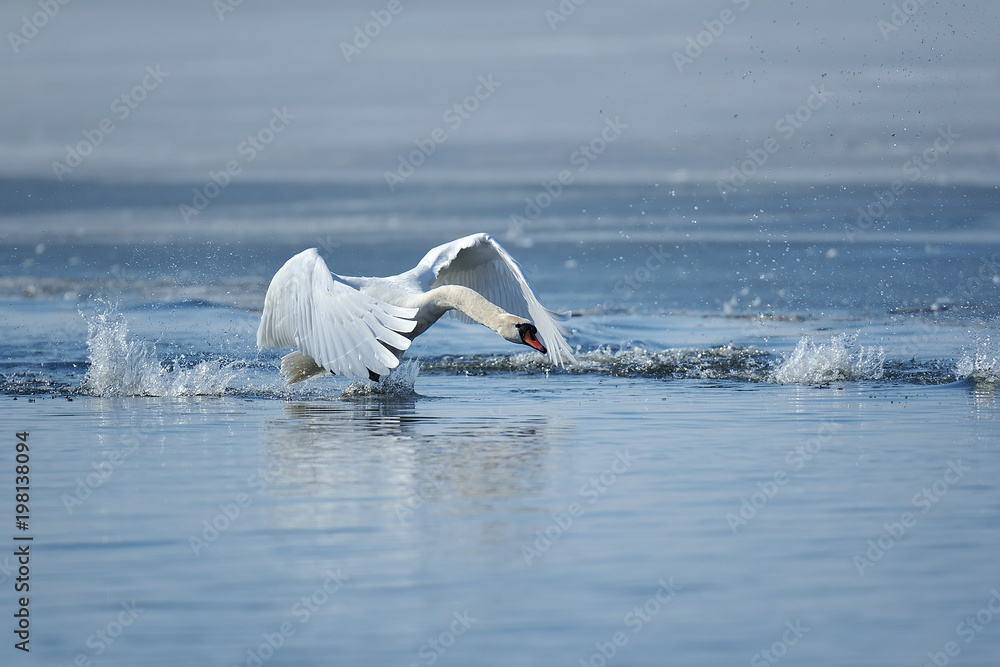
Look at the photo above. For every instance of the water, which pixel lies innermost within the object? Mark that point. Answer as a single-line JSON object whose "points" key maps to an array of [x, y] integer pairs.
{"points": [[778, 437], [779, 444]]}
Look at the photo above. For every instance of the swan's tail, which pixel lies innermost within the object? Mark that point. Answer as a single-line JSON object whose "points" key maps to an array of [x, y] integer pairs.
{"points": [[297, 367]]}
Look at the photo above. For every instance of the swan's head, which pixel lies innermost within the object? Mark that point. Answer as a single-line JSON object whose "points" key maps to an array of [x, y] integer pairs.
{"points": [[522, 332]]}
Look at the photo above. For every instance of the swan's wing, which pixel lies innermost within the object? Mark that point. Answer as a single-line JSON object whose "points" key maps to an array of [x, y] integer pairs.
{"points": [[342, 329], [481, 264]]}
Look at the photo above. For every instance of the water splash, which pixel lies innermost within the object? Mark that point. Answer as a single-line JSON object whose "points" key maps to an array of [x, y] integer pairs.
{"points": [[982, 364], [398, 383], [123, 366], [841, 359], [726, 362]]}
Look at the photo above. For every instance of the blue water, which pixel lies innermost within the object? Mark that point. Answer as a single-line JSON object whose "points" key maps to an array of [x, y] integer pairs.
{"points": [[777, 438], [779, 443]]}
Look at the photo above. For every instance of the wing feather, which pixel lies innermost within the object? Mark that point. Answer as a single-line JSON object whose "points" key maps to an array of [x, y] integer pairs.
{"points": [[340, 328], [481, 264]]}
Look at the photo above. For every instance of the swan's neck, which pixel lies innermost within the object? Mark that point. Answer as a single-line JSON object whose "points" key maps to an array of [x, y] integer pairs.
{"points": [[440, 300]]}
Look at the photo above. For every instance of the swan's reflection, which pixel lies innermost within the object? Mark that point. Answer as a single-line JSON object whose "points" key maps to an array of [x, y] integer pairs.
{"points": [[381, 463]]}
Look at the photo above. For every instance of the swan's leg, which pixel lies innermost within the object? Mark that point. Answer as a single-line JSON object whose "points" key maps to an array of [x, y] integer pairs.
{"points": [[297, 367]]}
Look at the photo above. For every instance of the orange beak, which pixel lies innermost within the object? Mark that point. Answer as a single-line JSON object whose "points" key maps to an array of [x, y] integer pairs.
{"points": [[530, 339]]}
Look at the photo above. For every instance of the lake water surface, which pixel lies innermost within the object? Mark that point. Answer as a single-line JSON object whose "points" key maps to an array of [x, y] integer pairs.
{"points": [[780, 441]]}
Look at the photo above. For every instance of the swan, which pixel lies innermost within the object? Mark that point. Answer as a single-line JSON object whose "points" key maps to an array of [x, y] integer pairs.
{"points": [[359, 328]]}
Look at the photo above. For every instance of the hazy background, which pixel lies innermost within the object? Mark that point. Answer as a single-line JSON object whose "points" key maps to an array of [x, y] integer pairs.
{"points": [[890, 93]]}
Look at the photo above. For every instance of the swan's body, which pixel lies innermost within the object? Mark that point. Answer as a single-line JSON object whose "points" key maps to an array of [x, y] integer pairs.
{"points": [[360, 327]]}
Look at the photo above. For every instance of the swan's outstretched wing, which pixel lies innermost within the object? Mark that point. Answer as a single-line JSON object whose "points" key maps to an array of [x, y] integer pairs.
{"points": [[342, 329], [481, 264]]}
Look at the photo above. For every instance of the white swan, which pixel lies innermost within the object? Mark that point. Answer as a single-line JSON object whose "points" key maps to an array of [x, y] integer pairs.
{"points": [[360, 327]]}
